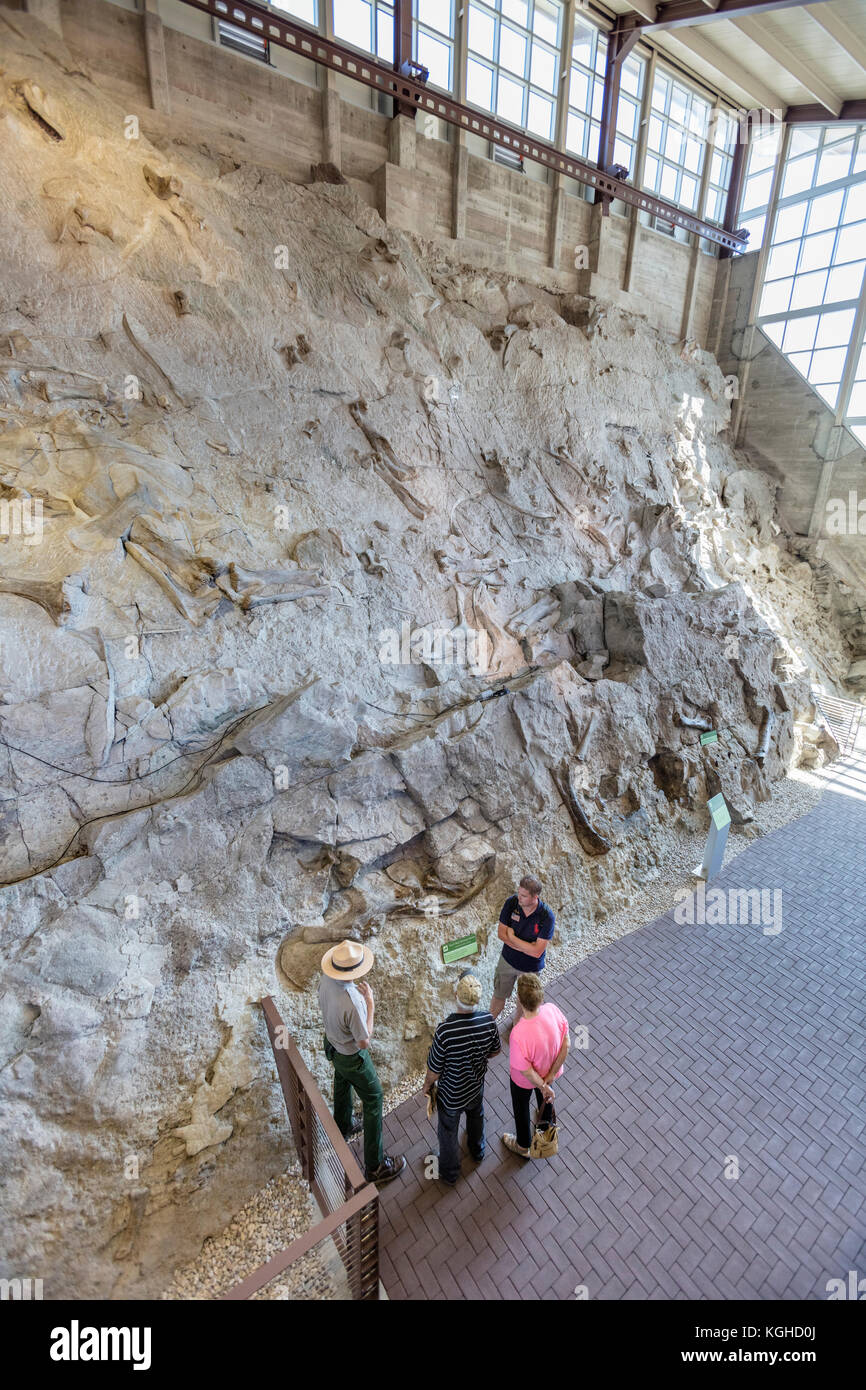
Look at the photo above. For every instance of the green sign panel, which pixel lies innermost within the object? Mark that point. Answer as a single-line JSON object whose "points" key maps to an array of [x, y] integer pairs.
{"points": [[719, 811], [710, 737], [456, 950]]}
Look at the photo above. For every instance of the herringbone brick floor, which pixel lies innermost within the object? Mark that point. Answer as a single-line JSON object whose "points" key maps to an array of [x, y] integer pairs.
{"points": [[705, 1044]]}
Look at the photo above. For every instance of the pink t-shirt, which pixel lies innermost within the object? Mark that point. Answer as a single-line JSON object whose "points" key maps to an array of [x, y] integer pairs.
{"points": [[535, 1042]]}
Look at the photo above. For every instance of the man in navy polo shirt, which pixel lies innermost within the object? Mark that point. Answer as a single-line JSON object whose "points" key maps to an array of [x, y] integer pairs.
{"points": [[525, 927]]}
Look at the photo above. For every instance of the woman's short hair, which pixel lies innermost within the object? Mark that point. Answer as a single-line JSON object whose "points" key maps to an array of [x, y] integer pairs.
{"points": [[530, 991]]}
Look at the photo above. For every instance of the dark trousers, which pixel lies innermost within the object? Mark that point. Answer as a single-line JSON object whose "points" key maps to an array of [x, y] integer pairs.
{"points": [[357, 1073], [449, 1123], [520, 1098]]}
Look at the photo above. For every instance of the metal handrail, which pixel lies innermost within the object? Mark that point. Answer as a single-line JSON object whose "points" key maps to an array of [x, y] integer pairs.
{"points": [[358, 1247]]}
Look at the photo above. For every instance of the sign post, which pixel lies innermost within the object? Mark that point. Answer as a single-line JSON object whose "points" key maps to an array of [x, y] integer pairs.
{"points": [[714, 853]]}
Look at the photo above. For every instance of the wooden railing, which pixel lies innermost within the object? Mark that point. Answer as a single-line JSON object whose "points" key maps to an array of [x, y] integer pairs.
{"points": [[348, 1203]]}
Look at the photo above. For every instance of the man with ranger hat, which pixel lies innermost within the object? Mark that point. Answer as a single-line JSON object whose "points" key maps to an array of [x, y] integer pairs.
{"points": [[347, 1011]]}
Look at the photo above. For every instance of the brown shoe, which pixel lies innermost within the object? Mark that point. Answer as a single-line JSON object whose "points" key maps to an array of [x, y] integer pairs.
{"points": [[389, 1168]]}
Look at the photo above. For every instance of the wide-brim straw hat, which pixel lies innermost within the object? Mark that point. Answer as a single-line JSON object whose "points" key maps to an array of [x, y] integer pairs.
{"points": [[348, 960]]}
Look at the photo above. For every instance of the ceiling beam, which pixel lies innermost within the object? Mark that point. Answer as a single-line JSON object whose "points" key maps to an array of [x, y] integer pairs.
{"points": [[767, 41], [852, 111], [675, 14], [645, 10], [729, 68], [852, 43]]}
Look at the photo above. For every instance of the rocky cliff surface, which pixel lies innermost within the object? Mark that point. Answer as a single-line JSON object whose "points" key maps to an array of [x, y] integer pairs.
{"points": [[339, 585]]}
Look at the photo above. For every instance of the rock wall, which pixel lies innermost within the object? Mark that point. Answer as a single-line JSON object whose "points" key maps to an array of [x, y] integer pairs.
{"points": [[340, 584]]}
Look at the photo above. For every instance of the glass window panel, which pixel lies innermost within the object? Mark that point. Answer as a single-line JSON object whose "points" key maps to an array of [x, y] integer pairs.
{"points": [[789, 222], [817, 251], [857, 403], [600, 62], [844, 282], [694, 156], [656, 133], [542, 70], [578, 88], [479, 84], [775, 297], [825, 211], [758, 187], [774, 331], [481, 31], [385, 34], [627, 117], [763, 150], [855, 203], [512, 50], [808, 289], [798, 176], [835, 162], [800, 360], [540, 118], [661, 87], [631, 77], [597, 98], [859, 432], [353, 21], [516, 9], [850, 243], [860, 157], [673, 143], [679, 104], [755, 226], [829, 393], [718, 167], [689, 189], [782, 260], [307, 10], [800, 333], [715, 205], [509, 99], [651, 171], [437, 14], [575, 134], [584, 39], [669, 182], [829, 364], [860, 371], [804, 138], [545, 21], [436, 56], [624, 154], [835, 328]]}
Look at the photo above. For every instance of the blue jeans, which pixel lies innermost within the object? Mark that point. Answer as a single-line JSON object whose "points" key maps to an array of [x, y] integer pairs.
{"points": [[449, 1122]]}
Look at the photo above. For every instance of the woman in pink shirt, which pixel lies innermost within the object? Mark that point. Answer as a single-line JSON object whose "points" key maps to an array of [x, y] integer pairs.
{"points": [[536, 1051]]}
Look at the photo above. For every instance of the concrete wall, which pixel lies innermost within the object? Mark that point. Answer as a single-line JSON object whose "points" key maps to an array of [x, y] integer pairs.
{"points": [[165, 67]]}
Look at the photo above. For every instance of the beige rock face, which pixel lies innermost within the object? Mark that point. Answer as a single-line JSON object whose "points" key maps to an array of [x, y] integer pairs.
{"points": [[350, 584]]}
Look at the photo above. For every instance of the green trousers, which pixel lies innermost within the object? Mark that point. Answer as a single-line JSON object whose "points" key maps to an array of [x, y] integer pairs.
{"points": [[357, 1073]]}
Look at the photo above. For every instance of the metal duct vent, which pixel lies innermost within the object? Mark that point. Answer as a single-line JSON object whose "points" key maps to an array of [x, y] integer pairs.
{"points": [[242, 41], [508, 158]]}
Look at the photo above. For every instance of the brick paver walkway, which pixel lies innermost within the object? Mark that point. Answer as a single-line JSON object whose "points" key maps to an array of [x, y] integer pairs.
{"points": [[704, 1042]]}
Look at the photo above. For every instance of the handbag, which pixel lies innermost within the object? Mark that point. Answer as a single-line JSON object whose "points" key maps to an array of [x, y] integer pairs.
{"points": [[545, 1137]]}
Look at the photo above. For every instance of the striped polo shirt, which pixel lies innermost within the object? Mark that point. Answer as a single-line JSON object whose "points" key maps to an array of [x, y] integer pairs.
{"points": [[459, 1052]]}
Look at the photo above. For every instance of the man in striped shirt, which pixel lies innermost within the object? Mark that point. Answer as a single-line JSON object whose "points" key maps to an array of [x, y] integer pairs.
{"points": [[457, 1062]]}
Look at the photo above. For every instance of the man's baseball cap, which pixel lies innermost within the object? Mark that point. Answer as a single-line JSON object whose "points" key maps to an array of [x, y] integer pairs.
{"points": [[468, 988]]}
